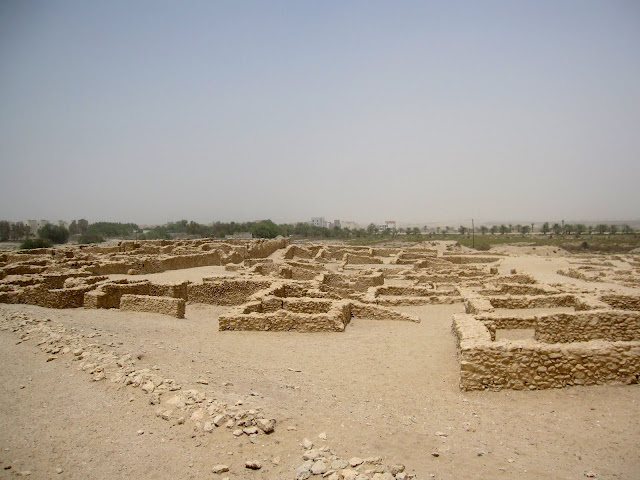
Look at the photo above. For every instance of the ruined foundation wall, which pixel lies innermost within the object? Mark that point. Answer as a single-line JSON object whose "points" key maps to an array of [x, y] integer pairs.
{"points": [[335, 320], [527, 364], [144, 303], [225, 292], [622, 302], [607, 325]]}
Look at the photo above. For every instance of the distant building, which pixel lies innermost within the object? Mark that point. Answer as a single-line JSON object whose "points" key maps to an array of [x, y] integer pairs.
{"points": [[336, 224], [387, 225], [349, 224], [319, 222]]}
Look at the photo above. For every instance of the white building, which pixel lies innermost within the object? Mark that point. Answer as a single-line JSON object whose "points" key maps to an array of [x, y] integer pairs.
{"points": [[319, 222]]}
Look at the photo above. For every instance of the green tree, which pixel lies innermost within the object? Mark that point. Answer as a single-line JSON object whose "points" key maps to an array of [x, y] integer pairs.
{"points": [[503, 229], [87, 238], [19, 231], [371, 229], [31, 243], [73, 228], [54, 233], [483, 229], [627, 230], [545, 228], [613, 229], [5, 230], [493, 229], [83, 225], [580, 229], [265, 229], [557, 228], [524, 229], [462, 229], [601, 228]]}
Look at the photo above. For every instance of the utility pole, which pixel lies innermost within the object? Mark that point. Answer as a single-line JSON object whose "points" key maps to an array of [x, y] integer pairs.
{"points": [[473, 234]]}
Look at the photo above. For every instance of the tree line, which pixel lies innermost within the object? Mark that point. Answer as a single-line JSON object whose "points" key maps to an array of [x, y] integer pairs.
{"points": [[97, 232], [548, 228]]}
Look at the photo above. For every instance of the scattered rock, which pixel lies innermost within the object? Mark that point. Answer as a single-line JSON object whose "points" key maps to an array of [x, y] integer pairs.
{"points": [[253, 465], [220, 419], [307, 444], [266, 425], [220, 468], [355, 461], [322, 436], [319, 468]]}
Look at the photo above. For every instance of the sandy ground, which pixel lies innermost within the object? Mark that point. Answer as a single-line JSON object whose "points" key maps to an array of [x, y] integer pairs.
{"points": [[379, 388]]}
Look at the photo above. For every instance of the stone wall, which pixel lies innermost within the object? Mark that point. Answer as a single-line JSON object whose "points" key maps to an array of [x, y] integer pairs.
{"points": [[108, 295], [145, 303], [527, 364], [351, 259], [265, 316], [610, 325], [622, 302], [225, 292]]}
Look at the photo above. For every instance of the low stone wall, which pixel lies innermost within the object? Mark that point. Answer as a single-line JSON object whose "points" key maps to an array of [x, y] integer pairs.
{"points": [[376, 312], [466, 259], [108, 295], [225, 292], [527, 364], [249, 317], [610, 325], [518, 289], [351, 259], [303, 315], [173, 290], [533, 301], [145, 303], [622, 302]]}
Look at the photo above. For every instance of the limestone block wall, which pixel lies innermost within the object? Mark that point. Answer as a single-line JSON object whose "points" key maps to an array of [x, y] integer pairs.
{"points": [[474, 303], [108, 295], [622, 302], [527, 364], [351, 259], [377, 312], [610, 325], [296, 273], [297, 251], [250, 317], [173, 290], [264, 248], [410, 295], [153, 304], [533, 301], [519, 289], [465, 259], [225, 292]]}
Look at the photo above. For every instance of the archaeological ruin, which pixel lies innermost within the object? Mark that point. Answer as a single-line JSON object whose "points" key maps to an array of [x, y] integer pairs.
{"points": [[515, 333]]}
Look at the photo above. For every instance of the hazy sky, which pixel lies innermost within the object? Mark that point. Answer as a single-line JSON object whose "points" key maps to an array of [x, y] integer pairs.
{"points": [[359, 110]]}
